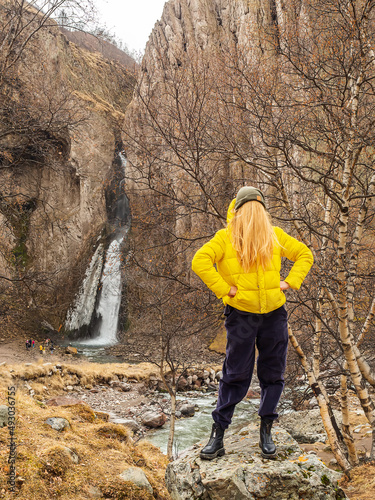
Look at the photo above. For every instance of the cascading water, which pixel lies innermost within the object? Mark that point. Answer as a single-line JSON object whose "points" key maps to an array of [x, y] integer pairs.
{"points": [[109, 301], [96, 309], [80, 314]]}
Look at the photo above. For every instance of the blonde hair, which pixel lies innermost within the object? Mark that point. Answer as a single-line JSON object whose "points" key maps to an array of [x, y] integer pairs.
{"points": [[252, 235]]}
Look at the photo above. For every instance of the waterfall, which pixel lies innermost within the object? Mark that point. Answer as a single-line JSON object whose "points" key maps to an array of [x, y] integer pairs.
{"points": [[96, 309], [79, 315], [109, 301]]}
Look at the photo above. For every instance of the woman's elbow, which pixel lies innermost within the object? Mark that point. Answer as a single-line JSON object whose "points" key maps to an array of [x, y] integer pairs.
{"points": [[194, 263]]}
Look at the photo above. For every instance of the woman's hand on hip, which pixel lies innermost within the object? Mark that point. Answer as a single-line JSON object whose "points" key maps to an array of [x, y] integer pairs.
{"points": [[232, 292], [284, 285]]}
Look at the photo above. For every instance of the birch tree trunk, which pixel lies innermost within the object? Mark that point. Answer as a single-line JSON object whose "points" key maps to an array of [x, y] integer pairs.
{"points": [[172, 423], [329, 421], [346, 428]]}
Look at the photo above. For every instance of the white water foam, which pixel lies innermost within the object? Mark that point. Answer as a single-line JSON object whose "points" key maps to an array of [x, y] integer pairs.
{"points": [[81, 312], [110, 298]]}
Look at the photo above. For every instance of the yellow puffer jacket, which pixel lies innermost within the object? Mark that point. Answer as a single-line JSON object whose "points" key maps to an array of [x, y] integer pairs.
{"points": [[259, 289]]}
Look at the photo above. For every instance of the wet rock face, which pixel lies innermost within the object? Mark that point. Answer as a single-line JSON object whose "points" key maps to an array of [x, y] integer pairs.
{"points": [[243, 474]]}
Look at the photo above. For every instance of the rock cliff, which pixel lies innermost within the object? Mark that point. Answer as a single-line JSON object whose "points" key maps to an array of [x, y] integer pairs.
{"points": [[201, 24], [62, 109], [178, 157]]}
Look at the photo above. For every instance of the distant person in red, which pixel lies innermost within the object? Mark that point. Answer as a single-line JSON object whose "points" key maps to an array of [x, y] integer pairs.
{"points": [[33, 343]]}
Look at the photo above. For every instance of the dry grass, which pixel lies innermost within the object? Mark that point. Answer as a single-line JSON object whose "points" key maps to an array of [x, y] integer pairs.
{"points": [[361, 485], [42, 377], [45, 468]]}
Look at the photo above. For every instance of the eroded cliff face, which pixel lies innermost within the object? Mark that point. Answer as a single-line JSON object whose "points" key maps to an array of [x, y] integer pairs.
{"points": [[60, 134], [195, 33], [201, 24], [175, 134]]}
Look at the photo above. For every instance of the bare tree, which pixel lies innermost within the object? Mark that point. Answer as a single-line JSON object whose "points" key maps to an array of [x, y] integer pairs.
{"points": [[311, 126], [297, 118], [164, 315]]}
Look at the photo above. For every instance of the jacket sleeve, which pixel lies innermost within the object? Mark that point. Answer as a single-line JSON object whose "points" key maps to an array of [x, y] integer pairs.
{"points": [[297, 252], [203, 265]]}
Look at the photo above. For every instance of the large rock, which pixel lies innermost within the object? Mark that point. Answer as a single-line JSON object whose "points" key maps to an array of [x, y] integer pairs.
{"points": [[187, 410], [306, 426], [71, 350], [153, 418], [136, 476], [121, 386], [58, 423], [242, 473], [64, 181]]}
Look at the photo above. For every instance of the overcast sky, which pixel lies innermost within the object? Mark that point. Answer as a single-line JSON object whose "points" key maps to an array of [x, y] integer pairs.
{"points": [[130, 20]]}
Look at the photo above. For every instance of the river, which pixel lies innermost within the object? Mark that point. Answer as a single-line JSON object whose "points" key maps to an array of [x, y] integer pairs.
{"points": [[191, 430]]}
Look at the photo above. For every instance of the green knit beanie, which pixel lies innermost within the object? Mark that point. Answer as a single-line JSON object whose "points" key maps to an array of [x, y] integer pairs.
{"points": [[249, 193]]}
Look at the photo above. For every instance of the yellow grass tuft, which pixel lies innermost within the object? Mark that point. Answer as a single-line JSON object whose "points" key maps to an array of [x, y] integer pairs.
{"points": [[361, 485], [114, 431], [57, 460]]}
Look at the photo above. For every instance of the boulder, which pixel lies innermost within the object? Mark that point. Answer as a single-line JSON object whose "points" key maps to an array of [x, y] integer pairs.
{"points": [[3, 416], [121, 386], [182, 384], [212, 387], [242, 473], [58, 423], [187, 410], [154, 419], [94, 492], [136, 476], [306, 426], [71, 350]]}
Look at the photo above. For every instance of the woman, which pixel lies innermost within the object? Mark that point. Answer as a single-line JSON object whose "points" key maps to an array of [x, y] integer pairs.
{"points": [[247, 255]]}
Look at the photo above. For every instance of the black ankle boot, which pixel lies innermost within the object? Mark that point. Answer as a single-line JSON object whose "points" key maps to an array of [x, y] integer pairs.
{"points": [[215, 446], [266, 444]]}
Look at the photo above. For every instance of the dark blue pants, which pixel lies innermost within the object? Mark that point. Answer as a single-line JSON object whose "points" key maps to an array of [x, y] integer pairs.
{"points": [[270, 334]]}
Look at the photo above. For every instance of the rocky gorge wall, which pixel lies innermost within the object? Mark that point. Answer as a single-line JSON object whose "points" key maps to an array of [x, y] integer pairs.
{"points": [[59, 137], [176, 160]]}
